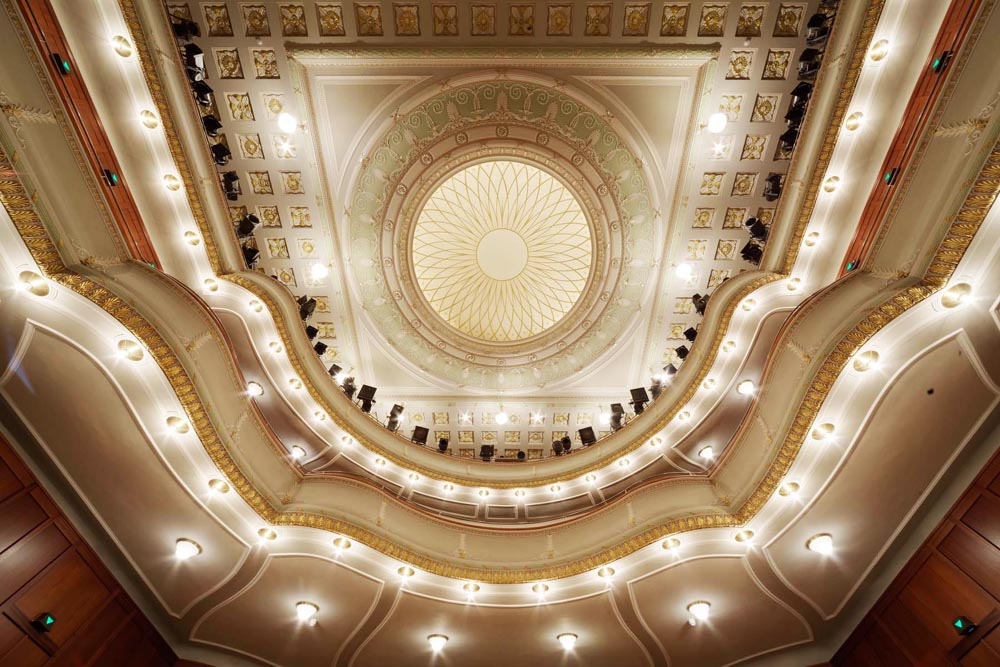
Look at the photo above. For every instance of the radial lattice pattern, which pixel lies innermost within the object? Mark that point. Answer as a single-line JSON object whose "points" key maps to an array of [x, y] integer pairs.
{"points": [[502, 250]]}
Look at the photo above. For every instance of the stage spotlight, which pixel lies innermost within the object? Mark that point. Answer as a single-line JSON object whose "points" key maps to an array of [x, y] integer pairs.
{"points": [[752, 253], [320, 348], [617, 416], [247, 226], [655, 388], [443, 445], [757, 229], [700, 303], [639, 399], [587, 436], [802, 92], [682, 352], [486, 452], [251, 256], [184, 29], [221, 154], [670, 370], [795, 115], [335, 370], [194, 62], [312, 332], [349, 387], [202, 93], [307, 307], [809, 63], [231, 185], [772, 185], [567, 444], [420, 434], [817, 30], [367, 397], [691, 333], [213, 126], [392, 423], [557, 447]]}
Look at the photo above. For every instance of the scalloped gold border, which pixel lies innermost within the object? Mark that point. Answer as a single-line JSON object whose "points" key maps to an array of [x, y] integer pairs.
{"points": [[966, 223]]}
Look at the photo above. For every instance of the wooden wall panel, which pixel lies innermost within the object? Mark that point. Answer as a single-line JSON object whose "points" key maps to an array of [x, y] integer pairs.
{"points": [[46, 567], [956, 572]]}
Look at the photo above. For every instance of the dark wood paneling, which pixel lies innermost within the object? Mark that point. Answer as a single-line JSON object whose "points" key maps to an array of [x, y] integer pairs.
{"points": [[981, 656], [9, 483], [29, 557], [984, 518], [21, 515], [975, 556]]}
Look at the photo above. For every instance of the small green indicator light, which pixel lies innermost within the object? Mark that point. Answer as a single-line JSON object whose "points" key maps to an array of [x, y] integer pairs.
{"points": [[852, 265], [887, 177], [110, 177], [61, 64], [963, 625], [936, 64], [43, 622]]}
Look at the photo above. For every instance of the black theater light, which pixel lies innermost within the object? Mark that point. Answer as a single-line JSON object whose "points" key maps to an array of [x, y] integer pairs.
{"points": [[442, 445], [809, 63], [184, 29], [251, 256], [320, 348], [752, 253], [307, 306], [691, 333], [700, 303], [757, 229], [587, 437], [772, 186], [194, 62], [395, 416], [639, 399], [367, 397], [817, 30], [349, 387], [221, 155], [420, 434], [617, 416], [312, 332], [247, 226], [682, 352], [202, 93], [231, 185], [213, 126]]}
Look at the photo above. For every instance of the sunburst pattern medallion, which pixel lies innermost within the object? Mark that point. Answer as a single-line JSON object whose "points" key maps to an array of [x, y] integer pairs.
{"points": [[502, 250]]}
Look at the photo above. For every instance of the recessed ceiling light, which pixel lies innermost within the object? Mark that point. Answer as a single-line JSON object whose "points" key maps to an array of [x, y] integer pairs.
{"points": [[729, 346], [256, 306], [149, 119], [255, 388], [746, 388], [624, 463], [211, 285], [171, 182], [287, 122], [830, 184], [319, 415], [717, 122], [122, 46], [129, 349], [178, 425], [295, 383], [341, 544], [32, 282], [590, 478], [501, 418], [812, 238], [671, 544], [700, 610], [707, 453], [956, 295], [448, 487], [879, 50], [683, 416], [519, 493], [821, 544], [185, 548], [406, 572], [540, 589], [218, 486], [267, 534], [568, 640], [319, 271], [275, 346], [684, 271], [297, 453], [380, 462], [192, 238], [823, 431], [555, 488], [865, 361], [744, 536], [305, 610], [788, 489], [413, 477], [853, 121], [748, 304], [437, 642], [470, 587], [484, 492], [793, 284], [606, 572]]}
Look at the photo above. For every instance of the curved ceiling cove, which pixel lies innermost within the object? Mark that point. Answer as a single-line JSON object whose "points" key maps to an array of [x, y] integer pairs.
{"points": [[473, 305], [502, 250]]}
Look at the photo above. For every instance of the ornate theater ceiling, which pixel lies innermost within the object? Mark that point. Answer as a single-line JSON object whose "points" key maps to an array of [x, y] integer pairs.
{"points": [[502, 211]]}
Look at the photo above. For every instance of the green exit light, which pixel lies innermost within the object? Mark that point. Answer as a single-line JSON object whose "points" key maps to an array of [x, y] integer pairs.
{"points": [[61, 64], [44, 622], [963, 625], [853, 264], [110, 177]]}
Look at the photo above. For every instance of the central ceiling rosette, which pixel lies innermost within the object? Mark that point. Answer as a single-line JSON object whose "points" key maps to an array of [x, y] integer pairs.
{"points": [[502, 250]]}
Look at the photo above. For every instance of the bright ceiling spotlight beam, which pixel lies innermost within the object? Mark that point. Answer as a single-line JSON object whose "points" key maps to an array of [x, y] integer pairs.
{"points": [[437, 641], [568, 640], [185, 549]]}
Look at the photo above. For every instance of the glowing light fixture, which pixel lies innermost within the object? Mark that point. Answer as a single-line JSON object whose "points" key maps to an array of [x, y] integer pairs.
{"points": [[267, 535], [256, 306], [501, 417], [287, 122], [185, 548], [122, 46], [830, 184], [406, 572], [821, 544], [319, 271], [297, 453], [684, 271], [744, 536], [748, 304], [866, 361], [275, 347], [853, 121], [793, 284], [700, 611], [218, 486], [171, 182], [956, 295], [448, 487], [555, 488], [211, 285], [483, 493], [823, 431], [519, 493], [540, 589], [568, 640], [671, 544], [304, 611], [707, 453], [590, 478], [788, 489], [879, 50], [341, 544], [149, 119], [295, 383], [255, 388], [129, 349], [437, 642], [746, 388], [470, 587], [192, 238], [812, 238], [32, 282], [178, 425], [717, 122], [606, 572], [729, 346]]}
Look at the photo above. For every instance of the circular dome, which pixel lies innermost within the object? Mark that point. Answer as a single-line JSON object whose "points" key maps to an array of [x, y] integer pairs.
{"points": [[501, 250]]}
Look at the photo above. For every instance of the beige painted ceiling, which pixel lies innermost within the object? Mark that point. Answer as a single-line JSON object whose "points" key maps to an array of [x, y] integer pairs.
{"points": [[611, 543]]}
